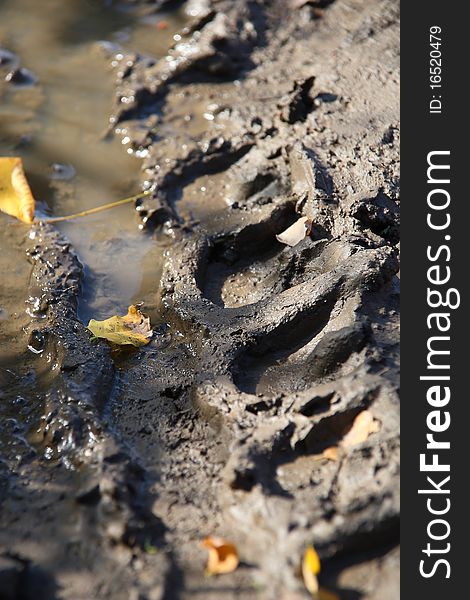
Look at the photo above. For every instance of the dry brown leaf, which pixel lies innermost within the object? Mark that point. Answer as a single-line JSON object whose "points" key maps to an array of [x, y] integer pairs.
{"points": [[16, 198], [132, 329], [223, 555], [310, 570], [296, 232], [363, 425]]}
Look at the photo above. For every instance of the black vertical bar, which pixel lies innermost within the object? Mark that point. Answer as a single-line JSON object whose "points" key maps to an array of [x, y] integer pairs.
{"points": [[435, 120]]}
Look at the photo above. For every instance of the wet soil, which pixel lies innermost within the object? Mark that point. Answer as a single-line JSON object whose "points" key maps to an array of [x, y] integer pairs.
{"points": [[115, 466]]}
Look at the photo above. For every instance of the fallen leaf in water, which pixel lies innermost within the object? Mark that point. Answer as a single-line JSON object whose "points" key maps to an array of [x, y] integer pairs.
{"points": [[16, 198], [223, 556], [310, 570], [296, 232], [134, 328], [363, 425]]}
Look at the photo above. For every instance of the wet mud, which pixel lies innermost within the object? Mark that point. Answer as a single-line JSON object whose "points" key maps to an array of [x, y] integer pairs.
{"points": [[114, 466]]}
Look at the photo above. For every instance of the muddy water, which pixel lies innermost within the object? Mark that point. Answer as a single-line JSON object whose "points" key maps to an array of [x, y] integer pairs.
{"points": [[54, 114], [55, 118]]}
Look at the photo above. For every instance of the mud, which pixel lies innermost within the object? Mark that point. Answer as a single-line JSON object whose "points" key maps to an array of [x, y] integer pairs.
{"points": [[263, 354]]}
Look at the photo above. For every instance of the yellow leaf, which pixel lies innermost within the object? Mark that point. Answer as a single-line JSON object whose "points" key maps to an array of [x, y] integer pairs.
{"points": [[134, 328], [16, 198], [223, 556], [310, 570], [363, 425]]}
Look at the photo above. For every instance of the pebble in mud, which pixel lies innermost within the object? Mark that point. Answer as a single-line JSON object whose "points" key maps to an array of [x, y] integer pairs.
{"points": [[36, 341], [62, 172], [21, 77]]}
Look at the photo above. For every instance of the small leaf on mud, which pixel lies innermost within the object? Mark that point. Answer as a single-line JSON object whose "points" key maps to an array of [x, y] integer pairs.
{"points": [[150, 548], [134, 328], [223, 556], [310, 570], [296, 232], [363, 425], [16, 198], [330, 453]]}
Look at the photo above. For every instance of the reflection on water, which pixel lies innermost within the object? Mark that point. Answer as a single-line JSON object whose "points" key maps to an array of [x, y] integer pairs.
{"points": [[56, 89], [57, 126]]}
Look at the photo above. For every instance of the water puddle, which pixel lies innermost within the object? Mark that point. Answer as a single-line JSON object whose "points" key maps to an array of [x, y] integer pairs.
{"points": [[56, 90], [57, 126]]}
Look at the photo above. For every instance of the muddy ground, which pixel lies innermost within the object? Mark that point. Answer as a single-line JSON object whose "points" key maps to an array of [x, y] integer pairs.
{"points": [[263, 354]]}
